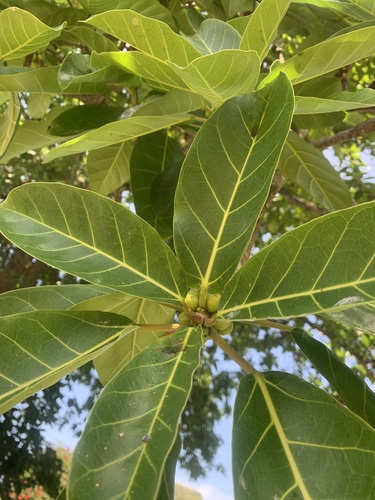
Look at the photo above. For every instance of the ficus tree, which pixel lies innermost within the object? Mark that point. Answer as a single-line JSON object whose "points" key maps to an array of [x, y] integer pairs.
{"points": [[214, 128]]}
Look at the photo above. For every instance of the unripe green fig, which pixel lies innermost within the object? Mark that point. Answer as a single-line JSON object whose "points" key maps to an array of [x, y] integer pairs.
{"points": [[222, 324], [225, 331], [192, 299], [212, 302], [183, 319]]}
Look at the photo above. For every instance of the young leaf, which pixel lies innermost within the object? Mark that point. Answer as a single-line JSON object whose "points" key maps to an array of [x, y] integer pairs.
{"points": [[133, 425], [28, 339], [308, 167], [291, 439], [259, 34], [148, 35], [109, 167], [326, 265], [355, 393], [9, 121], [88, 235], [326, 56], [224, 182], [49, 297], [22, 33], [222, 75]]}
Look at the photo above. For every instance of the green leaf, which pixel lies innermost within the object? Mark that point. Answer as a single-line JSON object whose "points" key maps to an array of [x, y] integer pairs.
{"points": [[28, 339], [326, 265], [93, 237], [140, 311], [308, 167], [222, 75], [149, 8], [214, 35], [87, 36], [133, 425], [326, 56], [262, 27], [23, 33], [8, 121], [116, 132], [355, 393], [167, 487], [292, 440], [48, 297], [359, 316], [31, 80], [340, 101], [174, 101], [152, 155], [148, 35], [109, 167], [225, 180], [38, 105], [83, 118]]}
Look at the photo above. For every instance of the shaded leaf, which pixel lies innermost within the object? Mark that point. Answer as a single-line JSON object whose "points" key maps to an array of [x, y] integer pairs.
{"points": [[262, 27], [218, 199], [82, 118], [327, 56], [340, 101], [23, 33], [109, 167], [8, 121], [221, 75], [93, 237], [291, 439], [151, 156], [167, 487], [214, 35], [308, 167], [87, 36], [133, 425], [359, 316], [48, 297], [38, 105], [325, 265], [28, 339], [354, 391]]}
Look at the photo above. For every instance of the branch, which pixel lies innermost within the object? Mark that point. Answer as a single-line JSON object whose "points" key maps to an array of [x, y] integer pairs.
{"points": [[360, 129], [308, 205], [232, 353]]}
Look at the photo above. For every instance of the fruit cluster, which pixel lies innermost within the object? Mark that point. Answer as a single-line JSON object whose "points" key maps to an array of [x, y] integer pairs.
{"points": [[201, 309]]}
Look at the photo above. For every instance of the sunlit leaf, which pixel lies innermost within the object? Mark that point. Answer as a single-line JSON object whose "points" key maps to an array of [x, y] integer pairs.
{"points": [[22, 33], [327, 264], [309, 168], [340, 101], [92, 39], [293, 440], [214, 35], [31, 80], [85, 234], [262, 27], [38, 105], [359, 316], [353, 391], [133, 425], [8, 121], [218, 199], [28, 339]]}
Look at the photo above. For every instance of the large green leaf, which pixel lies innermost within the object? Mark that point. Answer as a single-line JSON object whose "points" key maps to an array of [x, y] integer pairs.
{"points": [[262, 27], [221, 75], [224, 182], [48, 297], [8, 121], [327, 264], [357, 9], [327, 56], [167, 487], [214, 35], [148, 35], [29, 339], [92, 39], [149, 8], [22, 33], [142, 312], [133, 425], [309, 168], [174, 101], [152, 155], [293, 440], [93, 237], [31, 80], [116, 132], [361, 317], [108, 167], [353, 391], [339, 101]]}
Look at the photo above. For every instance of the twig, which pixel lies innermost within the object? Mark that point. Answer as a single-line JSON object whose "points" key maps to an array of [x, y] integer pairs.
{"points": [[232, 353], [301, 202], [360, 129]]}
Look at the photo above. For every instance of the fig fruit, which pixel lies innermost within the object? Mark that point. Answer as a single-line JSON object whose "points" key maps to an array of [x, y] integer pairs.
{"points": [[212, 302], [192, 299], [184, 319]]}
